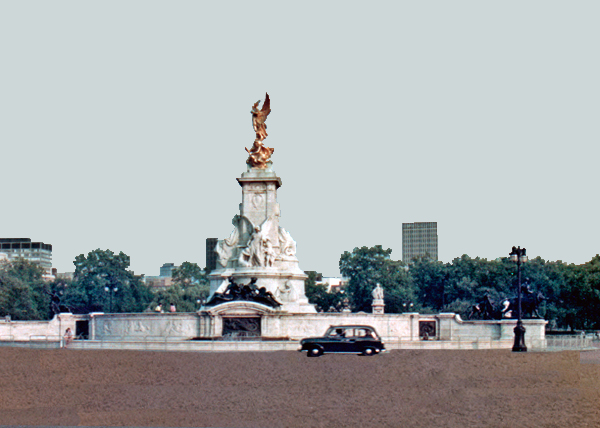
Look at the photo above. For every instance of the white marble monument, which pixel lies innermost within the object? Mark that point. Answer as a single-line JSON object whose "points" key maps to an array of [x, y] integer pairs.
{"points": [[259, 247]]}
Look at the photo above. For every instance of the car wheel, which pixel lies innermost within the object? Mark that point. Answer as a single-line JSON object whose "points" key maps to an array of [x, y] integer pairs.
{"points": [[314, 352], [368, 352]]}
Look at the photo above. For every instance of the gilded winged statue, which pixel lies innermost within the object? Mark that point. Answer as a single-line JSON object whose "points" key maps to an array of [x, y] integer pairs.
{"points": [[259, 117], [260, 154]]}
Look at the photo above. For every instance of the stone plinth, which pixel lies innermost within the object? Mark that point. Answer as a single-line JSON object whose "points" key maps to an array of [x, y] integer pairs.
{"points": [[378, 306]]}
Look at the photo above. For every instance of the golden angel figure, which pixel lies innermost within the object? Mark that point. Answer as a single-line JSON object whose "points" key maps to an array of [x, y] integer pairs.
{"points": [[259, 154]]}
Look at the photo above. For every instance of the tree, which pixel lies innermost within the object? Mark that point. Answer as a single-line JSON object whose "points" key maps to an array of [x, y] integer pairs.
{"points": [[582, 295], [23, 292], [468, 280], [102, 276], [429, 278], [190, 288], [188, 274], [188, 299], [317, 294], [365, 267]]}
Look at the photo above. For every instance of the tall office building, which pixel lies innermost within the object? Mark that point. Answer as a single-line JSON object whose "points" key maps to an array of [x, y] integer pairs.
{"points": [[418, 240], [36, 252], [211, 254]]}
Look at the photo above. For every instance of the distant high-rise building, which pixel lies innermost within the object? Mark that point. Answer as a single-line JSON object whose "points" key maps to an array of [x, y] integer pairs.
{"points": [[36, 252], [211, 254], [165, 280], [418, 240], [166, 269]]}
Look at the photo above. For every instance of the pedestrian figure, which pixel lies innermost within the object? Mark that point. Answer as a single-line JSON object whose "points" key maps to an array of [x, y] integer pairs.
{"points": [[68, 337], [172, 308]]}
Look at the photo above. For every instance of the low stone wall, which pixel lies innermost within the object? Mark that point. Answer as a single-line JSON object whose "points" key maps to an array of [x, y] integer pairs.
{"points": [[401, 328], [145, 326], [51, 330], [404, 327], [397, 330]]}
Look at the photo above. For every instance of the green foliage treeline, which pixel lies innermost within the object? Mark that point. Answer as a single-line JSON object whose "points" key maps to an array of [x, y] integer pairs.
{"points": [[190, 287], [101, 282], [319, 296], [23, 291], [572, 291]]}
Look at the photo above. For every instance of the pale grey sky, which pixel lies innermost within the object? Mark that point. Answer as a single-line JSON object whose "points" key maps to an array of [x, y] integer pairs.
{"points": [[123, 125]]}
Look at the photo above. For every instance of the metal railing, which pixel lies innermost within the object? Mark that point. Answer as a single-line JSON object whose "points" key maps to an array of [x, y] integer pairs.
{"points": [[463, 342], [575, 342]]}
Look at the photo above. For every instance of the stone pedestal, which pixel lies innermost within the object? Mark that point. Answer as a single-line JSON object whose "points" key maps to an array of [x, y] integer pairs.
{"points": [[259, 248], [378, 306], [259, 202]]}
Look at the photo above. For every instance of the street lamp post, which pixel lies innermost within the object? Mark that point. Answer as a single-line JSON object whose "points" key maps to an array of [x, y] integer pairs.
{"points": [[110, 290], [518, 256]]}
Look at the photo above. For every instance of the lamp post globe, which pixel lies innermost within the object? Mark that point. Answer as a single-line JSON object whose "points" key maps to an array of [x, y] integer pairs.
{"points": [[110, 290], [519, 256]]}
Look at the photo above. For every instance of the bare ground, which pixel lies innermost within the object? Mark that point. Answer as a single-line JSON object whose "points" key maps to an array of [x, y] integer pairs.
{"points": [[404, 388]]}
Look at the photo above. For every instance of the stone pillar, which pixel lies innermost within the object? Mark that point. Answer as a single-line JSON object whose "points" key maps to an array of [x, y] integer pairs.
{"points": [[446, 320], [414, 325], [378, 306], [259, 201], [346, 305]]}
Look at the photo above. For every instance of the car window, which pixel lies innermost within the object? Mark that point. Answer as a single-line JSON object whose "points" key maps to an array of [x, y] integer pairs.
{"points": [[354, 332], [337, 332], [367, 333]]}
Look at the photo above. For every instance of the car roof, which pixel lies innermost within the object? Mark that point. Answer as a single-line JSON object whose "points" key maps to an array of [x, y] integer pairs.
{"points": [[352, 326]]}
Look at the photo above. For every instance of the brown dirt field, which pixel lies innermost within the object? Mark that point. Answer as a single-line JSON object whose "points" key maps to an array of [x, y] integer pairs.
{"points": [[404, 388]]}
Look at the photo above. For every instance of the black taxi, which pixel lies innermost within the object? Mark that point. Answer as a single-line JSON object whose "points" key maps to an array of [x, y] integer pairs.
{"points": [[349, 339]]}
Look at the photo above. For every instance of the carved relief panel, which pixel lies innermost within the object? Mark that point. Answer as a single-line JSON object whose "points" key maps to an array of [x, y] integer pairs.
{"points": [[241, 327], [427, 330], [254, 205]]}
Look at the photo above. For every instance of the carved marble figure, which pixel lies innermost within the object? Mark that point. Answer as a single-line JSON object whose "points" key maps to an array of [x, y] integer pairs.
{"points": [[259, 251], [377, 292], [269, 253], [226, 247], [254, 253], [285, 292], [286, 244]]}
